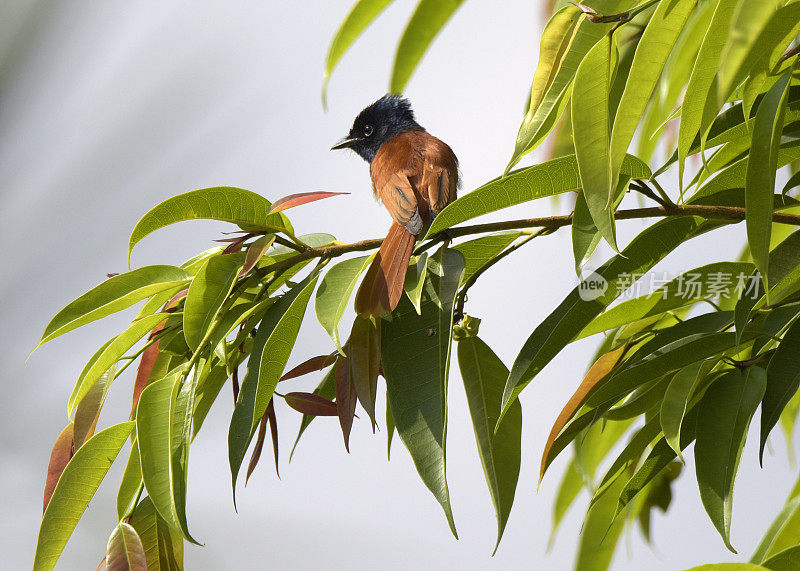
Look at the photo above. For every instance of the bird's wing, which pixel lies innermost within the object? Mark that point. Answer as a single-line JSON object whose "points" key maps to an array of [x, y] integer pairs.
{"points": [[397, 194], [439, 178]]}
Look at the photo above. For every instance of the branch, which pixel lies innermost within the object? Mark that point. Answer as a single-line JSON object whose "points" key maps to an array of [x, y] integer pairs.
{"points": [[732, 213]]}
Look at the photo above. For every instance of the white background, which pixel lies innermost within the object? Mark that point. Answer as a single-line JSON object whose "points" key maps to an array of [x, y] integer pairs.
{"points": [[107, 108]]}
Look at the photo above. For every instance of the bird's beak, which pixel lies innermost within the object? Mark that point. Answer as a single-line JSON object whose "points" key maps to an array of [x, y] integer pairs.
{"points": [[345, 143]]}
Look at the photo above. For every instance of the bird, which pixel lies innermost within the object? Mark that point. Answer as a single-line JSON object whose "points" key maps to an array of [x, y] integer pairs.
{"points": [[415, 175]]}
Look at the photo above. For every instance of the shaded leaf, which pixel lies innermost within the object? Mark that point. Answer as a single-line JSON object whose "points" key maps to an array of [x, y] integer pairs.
{"points": [[415, 360], [484, 376], [783, 380], [676, 402], [59, 457], [313, 364], [326, 390], [390, 430], [334, 293], [345, 397], [364, 354], [415, 279], [311, 404], [75, 489], [600, 533], [722, 421], [88, 410], [163, 547]]}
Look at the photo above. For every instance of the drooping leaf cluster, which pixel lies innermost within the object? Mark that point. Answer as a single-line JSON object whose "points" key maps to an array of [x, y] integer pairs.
{"points": [[710, 87]]}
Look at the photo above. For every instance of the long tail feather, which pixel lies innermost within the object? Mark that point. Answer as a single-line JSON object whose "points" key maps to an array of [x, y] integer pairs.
{"points": [[382, 286]]}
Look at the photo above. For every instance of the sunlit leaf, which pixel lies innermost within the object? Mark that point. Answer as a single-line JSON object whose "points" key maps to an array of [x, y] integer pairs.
{"points": [[600, 533], [334, 292], [255, 252], [722, 421], [300, 198], [162, 545], [676, 402], [415, 279], [131, 480], [114, 294], [427, 21], [59, 457], [75, 489], [208, 291], [88, 410], [481, 250], [224, 203]]}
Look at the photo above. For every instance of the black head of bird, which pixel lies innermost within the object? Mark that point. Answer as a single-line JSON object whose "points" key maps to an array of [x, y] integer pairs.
{"points": [[388, 116]]}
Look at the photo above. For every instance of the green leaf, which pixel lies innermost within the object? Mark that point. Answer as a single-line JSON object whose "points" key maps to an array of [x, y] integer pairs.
{"points": [[728, 567], [334, 293], [545, 109], [427, 21], [159, 429], [208, 291], [274, 341], [585, 237], [163, 547], [590, 118], [484, 376], [786, 560], [360, 17], [722, 421], [365, 361], [758, 28], [651, 55], [326, 389], [75, 489], [783, 380], [782, 534], [415, 280], [761, 170], [600, 533], [224, 203], [124, 549], [571, 485], [700, 100], [416, 358], [545, 179], [131, 480], [676, 402], [481, 250], [705, 282], [114, 294], [574, 314], [109, 354]]}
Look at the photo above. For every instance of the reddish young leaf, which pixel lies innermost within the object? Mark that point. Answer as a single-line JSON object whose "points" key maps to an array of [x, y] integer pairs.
{"points": [[300, 198], [255, 252], [309, 403], [313, 364], [364, 348], [61, 454], [235, 245], [262, 433], [345, 398], [597, 372], [235, 384], [273, 429], [150, 355]]}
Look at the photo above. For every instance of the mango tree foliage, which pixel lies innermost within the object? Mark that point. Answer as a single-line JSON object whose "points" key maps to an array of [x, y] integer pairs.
{"points": [[692, 107]]}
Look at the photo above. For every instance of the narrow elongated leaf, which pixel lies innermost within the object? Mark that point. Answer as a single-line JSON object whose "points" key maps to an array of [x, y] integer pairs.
{"points": [[365, 361], [722, 421], [114, 294], [131, 480], [783, 380], [311, 404], [313, 364], [571, 485], [224, 203], [484, 376], [427, 21], [597, 372], [585, 237], [75, 489], [784, 532], [700, 100], [300, 198], [208, 291], [652, 52], [88, 410], [326, 389], [390, 430], [334, 293], [110, 354], [545, 179], [255, 252], [415, 279], [416, 358], [59, 458], [274, 340], [786, 560], [706, 282], [124, 551], [163, 547], [760, 182], [600, 533], [574, 313], [544, 111], [360, 17], [676, 402], [345, 398], [590, 121]]}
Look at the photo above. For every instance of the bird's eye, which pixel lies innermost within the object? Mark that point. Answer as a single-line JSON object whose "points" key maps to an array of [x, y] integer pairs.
{"points": [[368, 130]]}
